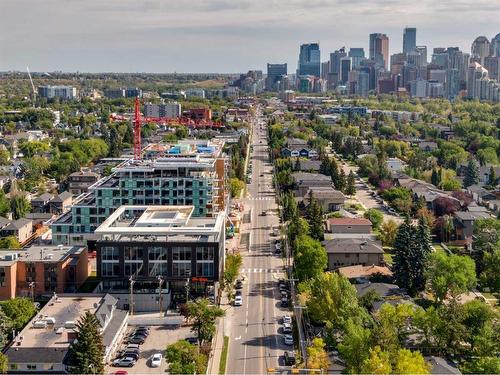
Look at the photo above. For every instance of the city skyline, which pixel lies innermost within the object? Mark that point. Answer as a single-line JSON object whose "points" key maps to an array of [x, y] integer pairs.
{"points": [[230, 37]]}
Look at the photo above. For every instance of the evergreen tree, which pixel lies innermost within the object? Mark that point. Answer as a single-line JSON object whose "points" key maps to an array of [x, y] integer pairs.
{"points": [[492, 179], [296, 167], [115, 142], [325, 167], [315, 218], [435, 177], [471, 173], [411, 247], [351, 184], [105, 133], [128, 136], [342, 181], [87, 352]]}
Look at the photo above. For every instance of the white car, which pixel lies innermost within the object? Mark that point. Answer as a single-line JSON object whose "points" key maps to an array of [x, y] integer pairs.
{"points": [[287, 319], [238, 301], [156, 360], [287, 328], [277, 245], [288, 339]]}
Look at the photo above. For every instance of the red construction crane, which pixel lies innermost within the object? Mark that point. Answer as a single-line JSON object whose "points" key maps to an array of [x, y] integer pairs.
{"points": [[137, 130]]}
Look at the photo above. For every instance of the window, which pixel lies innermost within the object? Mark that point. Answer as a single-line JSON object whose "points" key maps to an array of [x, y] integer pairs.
{"points": [[157, 254], [181, 253], [2, 277], [205, 269], [204, 253], [30, 272], [110, 253], [109, 269], [181, 269], [158, 268], [133, 268], [132, 253], [31, 367]]}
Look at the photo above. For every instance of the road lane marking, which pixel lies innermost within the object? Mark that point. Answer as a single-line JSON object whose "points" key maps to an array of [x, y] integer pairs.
{"points": [[238, 338]]}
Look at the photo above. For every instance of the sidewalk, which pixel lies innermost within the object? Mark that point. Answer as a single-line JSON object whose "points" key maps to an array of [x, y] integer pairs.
{"points": [[223, 328]]}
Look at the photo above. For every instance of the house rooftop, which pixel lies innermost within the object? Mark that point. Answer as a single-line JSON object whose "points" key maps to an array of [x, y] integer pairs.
{"points": [[47, 254], [349, 221], [353, 245], [360, 271]]}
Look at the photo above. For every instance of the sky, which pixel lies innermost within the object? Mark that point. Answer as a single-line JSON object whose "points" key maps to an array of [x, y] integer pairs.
{"points": [[220, 36]]}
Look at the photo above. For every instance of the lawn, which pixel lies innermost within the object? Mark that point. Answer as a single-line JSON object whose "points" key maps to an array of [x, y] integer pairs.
{"points": [[223, 358]]}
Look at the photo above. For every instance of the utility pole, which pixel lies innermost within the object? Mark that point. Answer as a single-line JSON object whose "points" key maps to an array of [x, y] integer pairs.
{"points": [[187, 290], [160, 283], [132, 282], [31, 285]]}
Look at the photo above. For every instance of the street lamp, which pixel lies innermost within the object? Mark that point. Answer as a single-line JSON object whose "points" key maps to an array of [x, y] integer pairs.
{"points": [[160, 282], [132, 282]]}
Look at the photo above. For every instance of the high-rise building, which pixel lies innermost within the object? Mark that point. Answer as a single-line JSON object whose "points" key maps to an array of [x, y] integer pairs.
{"points": [[345, 68], [163, 110], [325, 69], [440, 57], [379, 49], [191, 173], [495, 46], [423, 52], [409, 39], [309, 60], [363, 86], [335, 59], [397, 62], [480, 48], [476, 72], [61, 92], [492, 65], [356, 55], [275, 73]]}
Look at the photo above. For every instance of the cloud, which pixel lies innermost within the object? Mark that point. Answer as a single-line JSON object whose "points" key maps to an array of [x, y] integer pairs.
{"points": [[220, 35]]}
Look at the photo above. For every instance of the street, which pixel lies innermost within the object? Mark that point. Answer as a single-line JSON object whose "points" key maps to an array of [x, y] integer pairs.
{"points": [[256, 343]]}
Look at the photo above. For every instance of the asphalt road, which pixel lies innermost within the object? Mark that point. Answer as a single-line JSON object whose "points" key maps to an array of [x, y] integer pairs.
{"points": [[256, 342]]}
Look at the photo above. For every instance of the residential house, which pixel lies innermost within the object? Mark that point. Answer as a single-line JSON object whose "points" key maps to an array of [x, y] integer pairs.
{"points": [[427, 146], [364, 272], [395, 164], [55, 204], [480, 194], [41, 203], [79, 182], [353, 251], [346, 225], [43, 344], [304, 181], [484, 172], [22, 229], [329, 199], [310, 165], [422, 189], [464, 223]]}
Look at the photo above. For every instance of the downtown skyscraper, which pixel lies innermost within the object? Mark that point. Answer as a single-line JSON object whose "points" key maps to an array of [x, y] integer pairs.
{"points": [[409, 39], [309, 60], [379, 49]]}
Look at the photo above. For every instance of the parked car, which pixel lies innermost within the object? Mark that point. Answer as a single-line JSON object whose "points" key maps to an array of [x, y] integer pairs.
{"points": [[277, 245], [124, 362], [192, 340], [141, 332], [136, 340], [156, 360], [238, 284], [238, 293], [284, 293], [287, 319], [132, 346], [133, 355], [289, 358], [264, 213], [120, 372], [288, 339], [284, 302], [238, 301], [287, 328]]}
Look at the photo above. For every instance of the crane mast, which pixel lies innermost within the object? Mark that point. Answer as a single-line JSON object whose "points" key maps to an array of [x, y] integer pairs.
{"points": [[32, 86]]}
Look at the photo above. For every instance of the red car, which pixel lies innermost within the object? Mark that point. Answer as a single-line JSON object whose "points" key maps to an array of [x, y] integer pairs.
{"points": [[120, 372]]}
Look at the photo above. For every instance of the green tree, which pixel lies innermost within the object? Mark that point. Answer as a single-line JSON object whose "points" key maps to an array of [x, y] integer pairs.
{"points": [[315, 218], [388, 231], [5, 328], [231, 271], [19, 206], [355, 346], [375, 216], [310, 258], [486, 239], [203, 314], [4, 204], [390, 322], [115, 142], [332, 299], [185, 358], [236, 186], [411, 247], [4, 362], [378, 362], [482, 365], [490, 277], [182, 132], [471, 173], [483, 327], [19, 310], [87, 351], [492, 178], [450, 275], [351, 184], [4, 156], [408, 362], [317, 357], [298, 227], [9, 242]]}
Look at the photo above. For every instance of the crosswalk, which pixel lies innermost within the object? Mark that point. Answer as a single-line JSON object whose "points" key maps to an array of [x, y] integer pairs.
{"points": [[261, 198], [261, 270]]}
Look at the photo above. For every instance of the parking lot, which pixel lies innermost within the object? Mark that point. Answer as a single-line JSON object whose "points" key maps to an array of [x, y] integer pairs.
{"points": [[159, 338]]}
